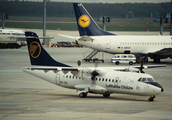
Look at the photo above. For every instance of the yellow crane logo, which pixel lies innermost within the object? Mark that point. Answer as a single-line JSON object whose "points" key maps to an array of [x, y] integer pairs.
{"points": [[84, 21], [35, 49]]}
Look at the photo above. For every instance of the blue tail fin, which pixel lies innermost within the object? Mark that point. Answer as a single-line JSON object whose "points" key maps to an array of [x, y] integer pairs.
{"points": [[86, 24], [38, 55]]}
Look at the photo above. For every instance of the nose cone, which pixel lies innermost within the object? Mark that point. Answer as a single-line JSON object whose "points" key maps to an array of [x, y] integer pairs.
{"points": [[157, 85]]}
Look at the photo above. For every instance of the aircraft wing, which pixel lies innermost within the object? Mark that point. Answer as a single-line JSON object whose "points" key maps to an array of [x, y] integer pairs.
{"points": [[150, 66], [164, 51], [54, 69], [137, 69], [79, 72]]}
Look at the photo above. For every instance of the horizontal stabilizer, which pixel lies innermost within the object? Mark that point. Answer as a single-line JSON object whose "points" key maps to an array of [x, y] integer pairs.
{"points": [[86, 38], [67, 36]]}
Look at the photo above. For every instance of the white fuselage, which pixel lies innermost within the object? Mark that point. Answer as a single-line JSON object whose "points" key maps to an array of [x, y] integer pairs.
{"points": [[129, 44], [110, 82]]}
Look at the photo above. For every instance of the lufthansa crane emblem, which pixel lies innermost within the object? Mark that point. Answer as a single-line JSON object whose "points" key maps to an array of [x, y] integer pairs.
{"points": [[35, 49], [84, 21]]}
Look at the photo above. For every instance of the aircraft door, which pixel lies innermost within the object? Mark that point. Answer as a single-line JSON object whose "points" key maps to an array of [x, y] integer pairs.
{"points": [[57, 79], [108, 44]]}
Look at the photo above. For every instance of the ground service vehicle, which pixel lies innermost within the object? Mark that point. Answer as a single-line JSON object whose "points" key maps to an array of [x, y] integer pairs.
{"points": [[123, 58]]}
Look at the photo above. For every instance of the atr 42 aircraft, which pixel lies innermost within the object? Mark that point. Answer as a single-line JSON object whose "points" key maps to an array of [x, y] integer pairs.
{"points": [[156, 47], [100, 80]]}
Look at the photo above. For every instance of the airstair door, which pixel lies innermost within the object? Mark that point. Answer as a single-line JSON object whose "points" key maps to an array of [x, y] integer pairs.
{"points": [[57, 79], [108, 44]]}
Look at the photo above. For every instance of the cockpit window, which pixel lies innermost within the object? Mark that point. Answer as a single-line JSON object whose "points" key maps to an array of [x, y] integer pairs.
{"points": [[139, 79], [146, 80], [150, 80]]}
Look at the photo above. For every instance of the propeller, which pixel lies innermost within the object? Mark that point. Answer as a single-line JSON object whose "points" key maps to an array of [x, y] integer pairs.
{"points": [[94, 73]]}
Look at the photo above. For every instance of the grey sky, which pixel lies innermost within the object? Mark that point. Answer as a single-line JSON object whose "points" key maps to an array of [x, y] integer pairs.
{"points": [[109, 1]]}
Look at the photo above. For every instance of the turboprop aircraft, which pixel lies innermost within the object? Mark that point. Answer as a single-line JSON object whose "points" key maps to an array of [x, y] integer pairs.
{"points": [[100, 80], [156, 47]]}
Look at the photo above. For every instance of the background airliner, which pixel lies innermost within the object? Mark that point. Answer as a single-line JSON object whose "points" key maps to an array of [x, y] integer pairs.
{"points": [[11, 38], [100, 80], [156, 47]]}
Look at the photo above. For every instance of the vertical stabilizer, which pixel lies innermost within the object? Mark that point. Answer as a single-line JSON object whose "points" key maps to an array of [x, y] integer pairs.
{"points": [[86, 25], [38, 55]]}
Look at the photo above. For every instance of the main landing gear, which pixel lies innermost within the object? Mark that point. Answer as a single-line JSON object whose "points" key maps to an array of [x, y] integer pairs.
{"points": [[83, 95], [156, 60], [106, 95]]}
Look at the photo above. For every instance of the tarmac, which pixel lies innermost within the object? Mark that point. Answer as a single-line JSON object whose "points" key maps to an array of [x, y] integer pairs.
{"points": [[25, 97]]}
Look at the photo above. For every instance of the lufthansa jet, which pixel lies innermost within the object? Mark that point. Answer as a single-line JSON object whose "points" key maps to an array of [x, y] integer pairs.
{"points": [[156, 47], [102, 80]]}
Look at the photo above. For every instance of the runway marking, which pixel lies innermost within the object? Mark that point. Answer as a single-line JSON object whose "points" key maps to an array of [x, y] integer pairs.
{"points": [[97, 108], [31, 106]]}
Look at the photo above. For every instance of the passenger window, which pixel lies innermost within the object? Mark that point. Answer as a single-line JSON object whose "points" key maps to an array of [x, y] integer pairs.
{"points": [[113, 80], [102, 79], [66, 76], [109, 80]]}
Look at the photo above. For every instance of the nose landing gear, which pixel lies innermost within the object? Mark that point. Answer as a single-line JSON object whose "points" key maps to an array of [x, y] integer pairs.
{"points": [[151, 98]]}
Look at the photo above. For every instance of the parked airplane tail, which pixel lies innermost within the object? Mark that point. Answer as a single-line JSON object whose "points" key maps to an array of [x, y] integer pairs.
{"points": [[86, 24], [38, 55]]}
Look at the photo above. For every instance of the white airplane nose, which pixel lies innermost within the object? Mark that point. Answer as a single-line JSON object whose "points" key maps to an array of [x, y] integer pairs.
{"points": [[157, 90], [157, 86]]}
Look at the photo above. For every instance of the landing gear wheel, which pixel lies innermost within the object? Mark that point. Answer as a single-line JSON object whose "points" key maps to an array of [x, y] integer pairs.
{"points": [[151, 99], [156, 60], [82, 95], [106, 95]]}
